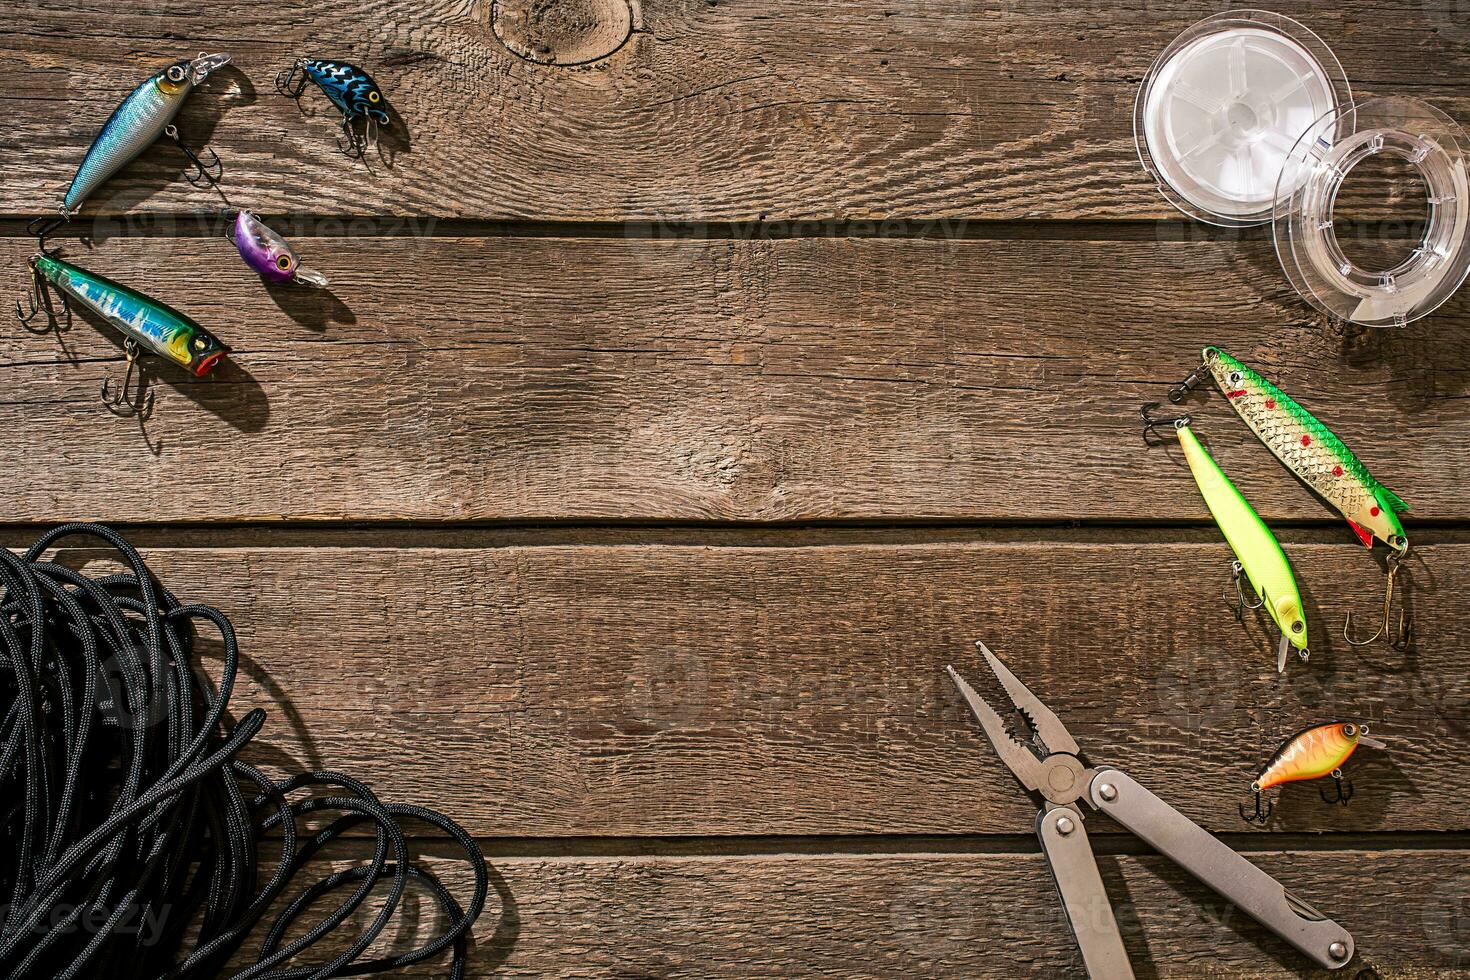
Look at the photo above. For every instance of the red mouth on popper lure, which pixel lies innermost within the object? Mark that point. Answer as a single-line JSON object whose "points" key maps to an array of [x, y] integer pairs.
{"points": [[1322, 461], [269, 254], [1311, 753]]}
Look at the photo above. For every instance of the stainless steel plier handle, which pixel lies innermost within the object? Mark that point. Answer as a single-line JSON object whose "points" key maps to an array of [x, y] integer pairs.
{"points": [[1050, 765]]}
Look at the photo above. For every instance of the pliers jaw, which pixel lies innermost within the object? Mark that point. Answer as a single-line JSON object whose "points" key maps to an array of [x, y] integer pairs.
{"points": [[1048, 762]]}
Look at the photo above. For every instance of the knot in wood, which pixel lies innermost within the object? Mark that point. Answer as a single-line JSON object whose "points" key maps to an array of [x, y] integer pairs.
{"points": [[563, 33]]}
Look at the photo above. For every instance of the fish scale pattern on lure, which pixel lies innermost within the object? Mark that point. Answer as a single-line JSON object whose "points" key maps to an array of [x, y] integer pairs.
{"points": [[1310, 450], [143, 116]]}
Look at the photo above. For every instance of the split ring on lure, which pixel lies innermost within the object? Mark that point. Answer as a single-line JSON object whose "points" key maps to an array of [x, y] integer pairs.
{"points": [[1311, 753], [350, 89], [1319, 459], [1258, 555], [144, 322], [269, 254], [146, 114]]}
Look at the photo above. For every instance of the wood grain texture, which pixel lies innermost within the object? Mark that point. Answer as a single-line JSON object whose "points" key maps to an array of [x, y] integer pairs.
{"points": [[932, 916], [700, 110], [593, 379], [647, 691]]}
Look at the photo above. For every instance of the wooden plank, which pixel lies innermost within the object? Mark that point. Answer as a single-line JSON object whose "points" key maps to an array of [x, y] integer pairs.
{"points": [[942, 110], [659, 690], [590, 379], [875, 916]]}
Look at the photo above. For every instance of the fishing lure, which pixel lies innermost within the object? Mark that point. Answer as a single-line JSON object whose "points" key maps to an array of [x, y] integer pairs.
{"points": [[350, 89], [269, 254], [1318, 458], [144, 322], [147, 113], [1258, 556], [1311, 753]]}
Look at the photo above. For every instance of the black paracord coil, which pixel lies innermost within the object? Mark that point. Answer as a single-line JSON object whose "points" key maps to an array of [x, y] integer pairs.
{"points": [[136, 836]]}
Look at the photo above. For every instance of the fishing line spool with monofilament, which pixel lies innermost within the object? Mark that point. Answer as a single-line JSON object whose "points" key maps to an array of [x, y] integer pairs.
{"points": [[1247, 118]]}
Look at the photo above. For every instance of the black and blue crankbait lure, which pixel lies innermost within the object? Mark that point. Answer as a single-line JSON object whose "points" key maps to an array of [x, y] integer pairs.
{"points": [[351, 90]]}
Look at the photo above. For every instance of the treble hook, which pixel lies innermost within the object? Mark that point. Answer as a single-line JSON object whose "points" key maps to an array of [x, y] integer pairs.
{"points": [[287, 84], [39, 299], [1237, 575], [1404, 637], [1344, 790], [357, 145], [1261, 815], [203, 174], [1180, 391], [1153, 423], [42, 228], [140, 402]]}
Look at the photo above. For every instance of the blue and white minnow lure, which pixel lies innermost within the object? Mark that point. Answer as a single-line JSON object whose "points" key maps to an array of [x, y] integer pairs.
{"points": [[146, 114], [351, 90]]}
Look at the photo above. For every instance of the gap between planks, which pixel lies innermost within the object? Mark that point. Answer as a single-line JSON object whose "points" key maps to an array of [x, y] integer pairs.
{"points": [[1104, 842], [210, 224], [914, 845], [702, 534]]}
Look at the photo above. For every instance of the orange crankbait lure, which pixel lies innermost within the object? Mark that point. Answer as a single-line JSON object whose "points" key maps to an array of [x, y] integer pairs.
{"points": [[1311, 754]]}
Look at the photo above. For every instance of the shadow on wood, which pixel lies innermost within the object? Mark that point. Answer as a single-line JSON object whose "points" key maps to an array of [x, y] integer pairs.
{"points": [[314, 309]]}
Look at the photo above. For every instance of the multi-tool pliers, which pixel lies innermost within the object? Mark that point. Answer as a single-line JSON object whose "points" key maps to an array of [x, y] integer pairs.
{"points": [[1051, 767]]}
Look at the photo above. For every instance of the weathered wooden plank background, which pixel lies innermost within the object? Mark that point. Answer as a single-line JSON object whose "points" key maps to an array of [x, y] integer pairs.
{"points": [[697, 379]]}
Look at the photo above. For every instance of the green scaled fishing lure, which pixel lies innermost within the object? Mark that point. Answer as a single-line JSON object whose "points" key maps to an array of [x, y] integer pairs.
{"points": [[1319, 459], [1309, 449], [1258, 554]]}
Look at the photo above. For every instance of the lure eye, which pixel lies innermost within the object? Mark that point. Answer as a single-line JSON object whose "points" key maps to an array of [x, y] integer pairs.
{"points": [[1296, 626], [1350, 730], [176, 73], [1235, 377], [199, 343], [374, 97], [283, 262]]}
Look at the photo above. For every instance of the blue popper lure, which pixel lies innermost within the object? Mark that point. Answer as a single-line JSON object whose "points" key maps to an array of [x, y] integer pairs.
{"points": [[350, 89]]}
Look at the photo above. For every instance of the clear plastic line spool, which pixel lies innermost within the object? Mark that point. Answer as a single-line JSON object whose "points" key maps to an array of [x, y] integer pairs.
{"points": [[1311, 178], [1223, 106]]}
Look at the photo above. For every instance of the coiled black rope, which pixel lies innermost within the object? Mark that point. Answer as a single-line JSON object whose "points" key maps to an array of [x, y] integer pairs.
{"points": [[137, 838]]}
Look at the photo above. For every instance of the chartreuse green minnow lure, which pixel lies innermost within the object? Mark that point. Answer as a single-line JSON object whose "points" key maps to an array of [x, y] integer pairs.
{"points": [[144, 322], [1319, 459], [1258, 555]]}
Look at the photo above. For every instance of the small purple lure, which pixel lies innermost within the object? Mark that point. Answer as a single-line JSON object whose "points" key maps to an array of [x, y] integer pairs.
{"points": [[268, 254]]}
